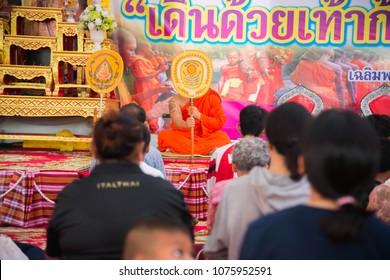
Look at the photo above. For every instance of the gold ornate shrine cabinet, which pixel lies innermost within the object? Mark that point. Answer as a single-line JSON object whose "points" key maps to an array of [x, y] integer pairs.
{"points": [[42, 69]]}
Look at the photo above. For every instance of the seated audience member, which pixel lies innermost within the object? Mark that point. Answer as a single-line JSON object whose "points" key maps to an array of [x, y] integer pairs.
{"points": [[153, 157], [251, 125], [31, 251], [9, 250], [340, 155], [207, 118], [379, 198], [158, 239], [263, 190], [247, 153], [14, 250], [92, 215], [147, 169]]}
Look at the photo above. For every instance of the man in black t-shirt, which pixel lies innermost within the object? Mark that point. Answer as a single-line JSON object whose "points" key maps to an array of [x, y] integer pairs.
{"points": [[93, 215]]}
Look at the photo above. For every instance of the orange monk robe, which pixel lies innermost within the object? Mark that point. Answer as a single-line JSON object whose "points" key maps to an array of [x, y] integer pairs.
{"points": [[208, 134], [362, 88], [154, 61], [142, 68], [160, 60], [232, 82], [318, 78], [267, 90]]}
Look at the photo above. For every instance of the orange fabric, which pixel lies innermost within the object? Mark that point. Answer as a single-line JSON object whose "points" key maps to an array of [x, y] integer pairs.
{"points": [[254, 80], [317, 77], [228, 73], [208, 134], [154, 61], [142, 68], [267, 90]]}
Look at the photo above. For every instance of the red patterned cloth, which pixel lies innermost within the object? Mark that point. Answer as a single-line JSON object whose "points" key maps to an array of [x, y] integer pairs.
{"points": [[27, 196], [192, 183]]}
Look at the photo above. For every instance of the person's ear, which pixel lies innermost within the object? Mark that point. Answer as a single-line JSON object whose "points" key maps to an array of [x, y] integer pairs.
{"points": [[301, 165], [147, 149], [239, 128], [234, 167]]}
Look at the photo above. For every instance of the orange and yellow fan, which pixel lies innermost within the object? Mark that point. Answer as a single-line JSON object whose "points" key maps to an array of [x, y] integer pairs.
{"points": [[104, 72], [191, 73]]}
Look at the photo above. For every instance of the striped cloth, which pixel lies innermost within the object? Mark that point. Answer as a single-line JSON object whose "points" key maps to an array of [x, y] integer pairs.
{"points": [[192, 183], [27, 196]]}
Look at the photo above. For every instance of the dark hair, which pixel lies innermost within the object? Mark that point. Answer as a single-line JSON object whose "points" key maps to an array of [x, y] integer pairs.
{"points": [[284, 129], [252, 119], [135, 111], [384, 164], [162, 223], [341, 155], [381, 123], [116, 135], [140, 236], [146, 138]]}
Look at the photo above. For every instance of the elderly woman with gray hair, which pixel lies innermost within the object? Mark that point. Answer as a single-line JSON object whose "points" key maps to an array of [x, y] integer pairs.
{"points": [[247, 153]]}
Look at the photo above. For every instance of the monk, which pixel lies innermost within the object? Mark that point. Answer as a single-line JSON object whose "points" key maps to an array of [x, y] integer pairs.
{"points": [[207, 118], [232, 80], [251, 68], [362, 87], [350, 90], [146, 84], [318, 74], [126, 45]]}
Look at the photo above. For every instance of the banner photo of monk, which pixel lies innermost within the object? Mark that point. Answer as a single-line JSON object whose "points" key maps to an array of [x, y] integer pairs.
{"points": [[261, 50]]}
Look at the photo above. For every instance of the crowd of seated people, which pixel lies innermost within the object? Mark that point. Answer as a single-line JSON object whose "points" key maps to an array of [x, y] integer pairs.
{"points": [[298, 195], [252, 119], [263, 190]]}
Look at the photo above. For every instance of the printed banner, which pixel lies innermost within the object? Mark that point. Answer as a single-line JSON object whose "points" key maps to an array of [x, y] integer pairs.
{"points": [[337, 51]]}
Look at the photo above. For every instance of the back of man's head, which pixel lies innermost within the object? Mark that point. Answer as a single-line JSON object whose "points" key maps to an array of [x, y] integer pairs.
{"points": [[135, 111], [158, 239], [252, 120]]}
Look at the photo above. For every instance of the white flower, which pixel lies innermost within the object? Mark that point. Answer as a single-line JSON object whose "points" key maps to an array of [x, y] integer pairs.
{"points": [[98, 21], [91, 25], [86, 11], [84, 17], [98, 8], [105, 14]]}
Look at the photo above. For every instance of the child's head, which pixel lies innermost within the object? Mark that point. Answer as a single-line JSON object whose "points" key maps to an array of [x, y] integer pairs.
{"points": [[158, 239], [233, 57]]}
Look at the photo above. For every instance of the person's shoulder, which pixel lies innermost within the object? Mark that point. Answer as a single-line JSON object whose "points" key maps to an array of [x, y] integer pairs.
{"points": [[221, 150], [154, 153], [149, 170], [379, 227], [278, 218], [379, 232], [237, 186]]}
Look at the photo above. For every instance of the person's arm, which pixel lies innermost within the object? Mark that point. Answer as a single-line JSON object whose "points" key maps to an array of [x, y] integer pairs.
{"points": [[177, 116], [143, 71], [215, 117]]}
